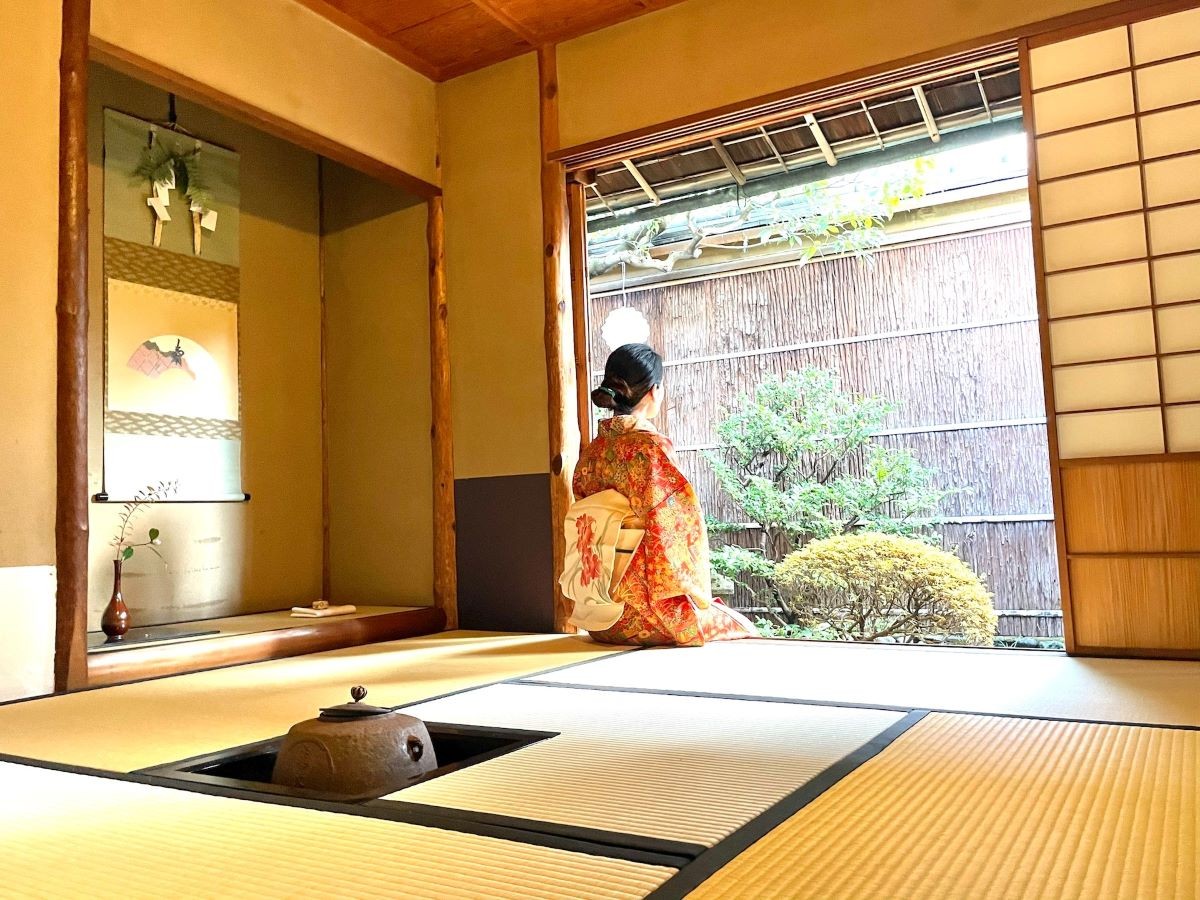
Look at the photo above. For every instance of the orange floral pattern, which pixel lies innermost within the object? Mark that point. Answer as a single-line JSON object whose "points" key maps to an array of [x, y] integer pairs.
{"points": [[666, 590], [585, 543]]}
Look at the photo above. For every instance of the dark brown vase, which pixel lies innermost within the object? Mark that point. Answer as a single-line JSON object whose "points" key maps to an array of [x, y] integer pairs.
{"points": [[115, 621]]}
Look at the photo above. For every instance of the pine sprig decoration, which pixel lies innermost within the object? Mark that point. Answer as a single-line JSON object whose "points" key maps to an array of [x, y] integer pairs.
{"points": [[159, 162]]}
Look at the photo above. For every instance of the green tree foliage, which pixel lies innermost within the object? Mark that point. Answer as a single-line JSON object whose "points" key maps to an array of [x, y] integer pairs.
{"points": [[868, 586], [799, 460]]}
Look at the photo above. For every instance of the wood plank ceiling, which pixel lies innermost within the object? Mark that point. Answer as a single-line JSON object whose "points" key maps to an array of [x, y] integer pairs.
{"points": [[445, 38]]}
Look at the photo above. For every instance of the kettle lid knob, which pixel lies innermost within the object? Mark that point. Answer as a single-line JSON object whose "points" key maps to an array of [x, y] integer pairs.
{"points": [[358, 693]]}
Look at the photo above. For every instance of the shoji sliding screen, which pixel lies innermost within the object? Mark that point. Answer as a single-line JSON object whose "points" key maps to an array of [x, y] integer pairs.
{"points": [[1115, 184]]}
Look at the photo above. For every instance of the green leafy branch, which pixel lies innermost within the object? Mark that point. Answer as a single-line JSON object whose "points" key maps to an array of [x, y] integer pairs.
{"points": [[124, 542], [799, 460]]}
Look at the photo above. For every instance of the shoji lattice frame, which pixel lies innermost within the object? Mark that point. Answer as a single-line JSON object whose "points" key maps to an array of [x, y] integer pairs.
{"points": [[1113, 112], [1115, 115]]}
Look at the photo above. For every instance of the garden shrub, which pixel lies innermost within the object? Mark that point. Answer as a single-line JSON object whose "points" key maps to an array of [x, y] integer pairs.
{"points": [[800, 460], [868, 586]]}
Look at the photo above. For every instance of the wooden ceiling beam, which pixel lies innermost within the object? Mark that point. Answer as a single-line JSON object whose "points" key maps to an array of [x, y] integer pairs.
{"points": [[823, 142], [365, 33], [926, 113], [775, 150], [642, 182], [984, 97], [871, 121], [732, 167], [517, 27]]}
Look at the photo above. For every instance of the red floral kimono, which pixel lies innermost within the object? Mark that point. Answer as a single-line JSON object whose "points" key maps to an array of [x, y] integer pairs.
{"points": [[667, 590]]}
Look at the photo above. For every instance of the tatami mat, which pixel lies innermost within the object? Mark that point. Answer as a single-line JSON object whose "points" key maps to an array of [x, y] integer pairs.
{"points": [[986, 807], [133, 726], [1023, 683], [66, 835], [682, 768]]}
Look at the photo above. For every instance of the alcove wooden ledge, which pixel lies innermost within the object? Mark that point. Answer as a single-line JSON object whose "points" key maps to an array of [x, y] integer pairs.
{"points": [[259, 637]]}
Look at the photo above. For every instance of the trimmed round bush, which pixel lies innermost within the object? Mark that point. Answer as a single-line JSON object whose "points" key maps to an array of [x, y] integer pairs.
{"points": [[867, 587]]}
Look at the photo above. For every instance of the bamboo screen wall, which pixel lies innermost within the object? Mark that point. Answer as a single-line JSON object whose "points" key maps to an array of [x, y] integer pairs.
{"points": [[949, 330]]}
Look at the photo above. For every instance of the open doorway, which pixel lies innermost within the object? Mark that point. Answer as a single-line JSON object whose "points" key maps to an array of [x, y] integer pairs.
{"points": [[846, 303]]}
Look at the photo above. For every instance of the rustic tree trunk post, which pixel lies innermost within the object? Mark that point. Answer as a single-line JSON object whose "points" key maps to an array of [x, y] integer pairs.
{"points": [[577, 233], [71, 514], [445, 575], [560, 356]]}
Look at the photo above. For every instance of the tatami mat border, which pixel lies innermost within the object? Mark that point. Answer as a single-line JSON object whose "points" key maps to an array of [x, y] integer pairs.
{"points": [[534, 681], [510, 680], [720, 854], [608, 844]]}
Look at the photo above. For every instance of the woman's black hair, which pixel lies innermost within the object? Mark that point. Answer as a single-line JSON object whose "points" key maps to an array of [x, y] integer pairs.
{"points": [[629, 375]]}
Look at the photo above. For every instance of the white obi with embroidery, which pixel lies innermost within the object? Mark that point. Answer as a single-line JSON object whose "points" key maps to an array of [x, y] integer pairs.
{"points": [[598, 552]]}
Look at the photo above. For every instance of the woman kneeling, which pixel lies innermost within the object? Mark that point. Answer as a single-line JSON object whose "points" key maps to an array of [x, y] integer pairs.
{"points": [[637, 547]]}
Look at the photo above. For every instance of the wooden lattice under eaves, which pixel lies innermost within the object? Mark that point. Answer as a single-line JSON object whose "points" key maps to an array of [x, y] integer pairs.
{"points": [[1116, 119]]}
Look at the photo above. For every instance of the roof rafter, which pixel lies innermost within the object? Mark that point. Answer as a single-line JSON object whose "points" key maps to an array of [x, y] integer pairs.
{"points": [[826, 150], [871, 121], [927, 114], [738, 175], [642, 182], [987, 107], [520, 29], [770, 143]]}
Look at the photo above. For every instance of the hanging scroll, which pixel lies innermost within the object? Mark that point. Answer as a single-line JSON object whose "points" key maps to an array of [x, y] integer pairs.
{"points": [[171, 281]]}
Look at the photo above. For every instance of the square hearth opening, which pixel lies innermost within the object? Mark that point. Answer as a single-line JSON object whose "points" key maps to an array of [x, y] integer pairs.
{"points": [[250, 767]]}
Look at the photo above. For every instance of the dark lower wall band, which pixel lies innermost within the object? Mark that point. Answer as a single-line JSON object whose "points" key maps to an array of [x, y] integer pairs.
{"points": [[505, 557]]}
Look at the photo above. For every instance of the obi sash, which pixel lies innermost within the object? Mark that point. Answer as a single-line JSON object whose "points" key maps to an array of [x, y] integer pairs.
{"points": [[597, 554]]}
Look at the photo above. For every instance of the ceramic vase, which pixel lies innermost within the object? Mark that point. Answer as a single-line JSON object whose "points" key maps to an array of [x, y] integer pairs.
{"points": [[115, 621]]}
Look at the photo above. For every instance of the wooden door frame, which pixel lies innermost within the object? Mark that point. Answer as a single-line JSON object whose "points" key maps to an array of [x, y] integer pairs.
{"points": [[572, 164], [1115, 18], [79, 49]]}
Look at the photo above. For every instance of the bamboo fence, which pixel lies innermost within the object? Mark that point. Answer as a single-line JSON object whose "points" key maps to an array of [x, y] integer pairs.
{"points": [[947, 329]]}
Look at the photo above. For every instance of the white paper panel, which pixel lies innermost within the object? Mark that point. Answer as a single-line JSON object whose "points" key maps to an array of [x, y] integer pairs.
{"points": [[1173, 131], [1166, 36], [1173, 180], [1179, 328], [1177, 279], [1131, 383], [1096, 290], [1175, 229], [1088, 148], [1126, 432], [1097, 338], [1086, 196], [1091, 243], [1168, 84], [1181, 378], [1092, 54], [1183, 428], [1084, 103]]}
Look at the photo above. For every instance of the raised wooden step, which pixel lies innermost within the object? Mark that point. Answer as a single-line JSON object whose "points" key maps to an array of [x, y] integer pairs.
{"points": [[255, 638]]}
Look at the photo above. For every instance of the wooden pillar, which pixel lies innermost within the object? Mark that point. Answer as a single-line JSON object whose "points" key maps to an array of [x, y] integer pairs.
{"points": [[71, 513], [326, 496], [560, 356], [581, 306], [445, 575]]}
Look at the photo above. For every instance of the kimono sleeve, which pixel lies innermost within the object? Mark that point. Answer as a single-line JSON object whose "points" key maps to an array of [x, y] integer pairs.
{"points": [[676, 537]]}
